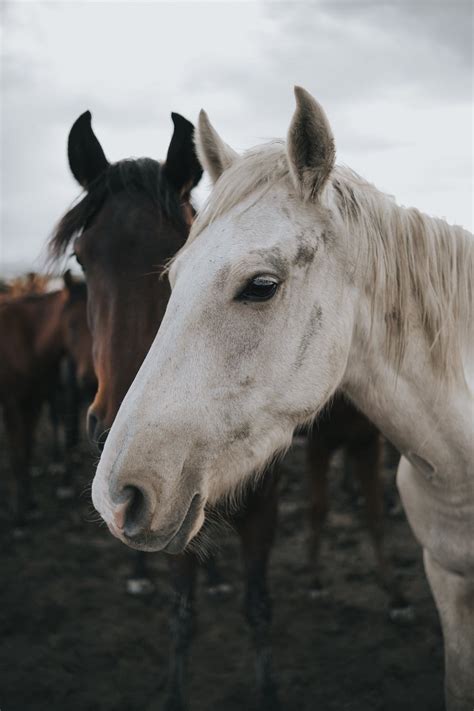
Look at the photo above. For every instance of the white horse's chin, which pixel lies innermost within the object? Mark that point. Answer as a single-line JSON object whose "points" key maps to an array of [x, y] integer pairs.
{"points": [[197, 526], [236, 472]]}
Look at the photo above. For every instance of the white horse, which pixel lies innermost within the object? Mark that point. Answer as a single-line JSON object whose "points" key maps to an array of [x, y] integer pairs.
{"points": [[299, 278]]}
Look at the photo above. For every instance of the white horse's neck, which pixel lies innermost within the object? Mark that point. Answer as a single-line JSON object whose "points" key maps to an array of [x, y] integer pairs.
{"points": [[409, 277], [428, 423]]}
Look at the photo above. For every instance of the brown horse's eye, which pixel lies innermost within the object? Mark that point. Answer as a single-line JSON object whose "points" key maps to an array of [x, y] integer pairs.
{"points": [[260, 288], [76, 257]]}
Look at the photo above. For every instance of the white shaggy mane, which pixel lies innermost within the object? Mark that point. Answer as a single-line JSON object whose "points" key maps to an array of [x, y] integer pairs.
{"points": [[412, 257]]}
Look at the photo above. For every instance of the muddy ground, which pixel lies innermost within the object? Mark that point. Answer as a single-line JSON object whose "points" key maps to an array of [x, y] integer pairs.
{"points": [[71, 639]]}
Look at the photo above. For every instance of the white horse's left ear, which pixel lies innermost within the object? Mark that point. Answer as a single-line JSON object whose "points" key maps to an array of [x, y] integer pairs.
{"points": [[311, 150], [215, 155]]}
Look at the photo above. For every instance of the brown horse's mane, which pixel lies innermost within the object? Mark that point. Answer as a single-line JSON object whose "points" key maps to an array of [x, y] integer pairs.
{"points": [[134, 175]]}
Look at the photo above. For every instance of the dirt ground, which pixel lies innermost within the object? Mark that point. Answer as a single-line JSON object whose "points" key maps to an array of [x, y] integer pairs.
{"points": [[71, 639]]}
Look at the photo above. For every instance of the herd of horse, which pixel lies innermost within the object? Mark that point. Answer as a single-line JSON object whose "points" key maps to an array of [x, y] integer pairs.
{"points": [[45, 358], [192, 393]]}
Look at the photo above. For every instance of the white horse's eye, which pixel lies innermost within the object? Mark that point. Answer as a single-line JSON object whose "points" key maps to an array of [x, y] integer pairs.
{"points": [[260, 288]]}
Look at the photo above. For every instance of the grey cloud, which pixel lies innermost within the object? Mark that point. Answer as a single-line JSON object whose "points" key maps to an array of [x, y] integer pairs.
{"points": [[356, 51], [444, 23]]}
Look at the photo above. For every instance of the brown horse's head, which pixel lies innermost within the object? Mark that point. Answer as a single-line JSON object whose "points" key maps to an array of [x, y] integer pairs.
{"points": [[134, 216], [76, 333]]}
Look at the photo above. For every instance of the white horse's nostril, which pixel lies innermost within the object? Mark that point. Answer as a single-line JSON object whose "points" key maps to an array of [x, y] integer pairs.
{"points": [[119, 514], [134, 513]]}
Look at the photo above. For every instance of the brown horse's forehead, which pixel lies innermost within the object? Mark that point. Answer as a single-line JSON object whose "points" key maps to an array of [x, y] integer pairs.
{"points": [[128, 226]]}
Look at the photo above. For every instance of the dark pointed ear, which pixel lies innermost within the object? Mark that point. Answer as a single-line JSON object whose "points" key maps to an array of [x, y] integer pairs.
{"points": [[182, 167], [86, 158]]}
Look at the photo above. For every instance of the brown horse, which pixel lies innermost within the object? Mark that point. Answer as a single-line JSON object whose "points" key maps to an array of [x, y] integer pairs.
{"points": [[29, 284], [77, 383], [25, 285], [133, 218], [36, 331]]}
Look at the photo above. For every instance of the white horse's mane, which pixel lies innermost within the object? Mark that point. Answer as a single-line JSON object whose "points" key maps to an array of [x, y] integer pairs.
{"points": [[411, 255]]}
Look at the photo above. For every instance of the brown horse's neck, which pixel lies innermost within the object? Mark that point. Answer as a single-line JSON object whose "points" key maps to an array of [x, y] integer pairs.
{"points": [[43, 315]]}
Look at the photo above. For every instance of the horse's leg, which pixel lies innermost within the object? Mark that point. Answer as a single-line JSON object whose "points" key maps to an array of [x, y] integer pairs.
{"points": [[348, 485], [71, 430], [54, 402], [454, 597], [366, 458], [183, 569], [54, 419], [32, 413], [217, 586], [20, 422], [256, 527], [139, 582], [391, 460], [318, 466], [15, 427]]}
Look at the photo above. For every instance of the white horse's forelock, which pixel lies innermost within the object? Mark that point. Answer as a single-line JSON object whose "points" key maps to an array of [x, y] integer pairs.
{"points": [[410, 255]]}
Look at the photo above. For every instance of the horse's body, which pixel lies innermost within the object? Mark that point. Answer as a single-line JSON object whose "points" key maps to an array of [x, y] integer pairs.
{"points": [[299, 278], [36, 331]]}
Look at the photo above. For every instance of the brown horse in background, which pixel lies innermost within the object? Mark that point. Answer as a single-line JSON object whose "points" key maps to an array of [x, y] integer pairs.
{"points": [[76, 387], [36, 331], [27, 285], [134, 217]]}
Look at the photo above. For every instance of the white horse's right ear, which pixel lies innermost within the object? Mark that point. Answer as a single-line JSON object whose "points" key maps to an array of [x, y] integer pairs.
{"points": [[311, 150], [215, 155]]}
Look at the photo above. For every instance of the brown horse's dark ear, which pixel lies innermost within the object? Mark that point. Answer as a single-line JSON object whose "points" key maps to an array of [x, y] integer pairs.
{"points": [[182, 167], [68, 280], [86, 158]]}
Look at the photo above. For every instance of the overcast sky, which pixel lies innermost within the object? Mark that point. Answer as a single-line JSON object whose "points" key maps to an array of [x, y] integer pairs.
{"points": [[394, 77]]}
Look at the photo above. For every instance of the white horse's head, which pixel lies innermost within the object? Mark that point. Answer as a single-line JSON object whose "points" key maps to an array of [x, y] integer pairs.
{"points": [[254, 341]]}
